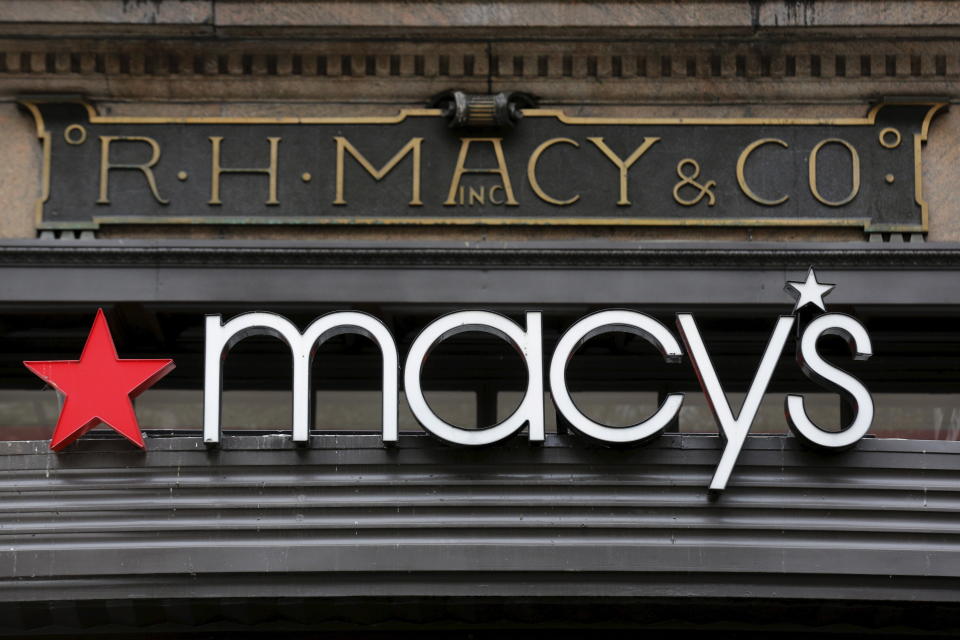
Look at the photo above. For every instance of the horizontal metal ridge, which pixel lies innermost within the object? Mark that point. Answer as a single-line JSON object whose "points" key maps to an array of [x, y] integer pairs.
{"points": [[272, 556], [582, 254], [547, 475], [690, 516], [343, 445], [224, 497]]}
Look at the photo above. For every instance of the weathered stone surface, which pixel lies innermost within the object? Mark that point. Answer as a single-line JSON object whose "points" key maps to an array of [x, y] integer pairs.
{"points": [[478, 13], [654, 13], [19, 173], [108, 12], [814, 13], [941, 178], [177, 57], [481, 14]]}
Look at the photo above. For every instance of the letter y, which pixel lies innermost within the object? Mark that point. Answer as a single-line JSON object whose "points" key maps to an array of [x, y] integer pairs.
{"points": [[733, 430]]}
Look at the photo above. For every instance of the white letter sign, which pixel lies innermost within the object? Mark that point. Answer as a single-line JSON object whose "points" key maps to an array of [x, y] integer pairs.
{"points": [[221, 337], [605, 321], [733, 430], [528, 343]]}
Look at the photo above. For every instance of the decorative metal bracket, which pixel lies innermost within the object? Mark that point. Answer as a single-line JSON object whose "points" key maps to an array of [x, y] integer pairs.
{"points": [[465, 110]]}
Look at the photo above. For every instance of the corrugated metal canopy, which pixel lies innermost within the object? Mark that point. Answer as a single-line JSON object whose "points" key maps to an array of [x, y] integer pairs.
{"points": [[346, 517]]}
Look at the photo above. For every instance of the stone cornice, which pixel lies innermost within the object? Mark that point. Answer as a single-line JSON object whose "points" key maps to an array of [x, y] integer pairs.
{"points": [[716, 69]]}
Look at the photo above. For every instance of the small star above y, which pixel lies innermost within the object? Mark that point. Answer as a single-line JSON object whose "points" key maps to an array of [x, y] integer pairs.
{"points": [[99, 387], [810, 291]]}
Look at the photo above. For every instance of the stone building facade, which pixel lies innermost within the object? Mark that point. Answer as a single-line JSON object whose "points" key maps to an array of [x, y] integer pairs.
{"points": [[700, 59], [263, 535]]}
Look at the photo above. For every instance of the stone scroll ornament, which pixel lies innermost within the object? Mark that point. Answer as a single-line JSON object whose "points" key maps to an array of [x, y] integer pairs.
{"points": [[548, 168], [98, 387]]}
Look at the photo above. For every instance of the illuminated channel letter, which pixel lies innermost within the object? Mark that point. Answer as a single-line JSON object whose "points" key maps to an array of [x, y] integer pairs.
{"points": [[854, 172], [733, 430], [633, 322], [826, 375], [146, 168], [742, 179], [344, 147], [500, 169], [528, 343], [623, 165], [532, 172], [216, 170], [220, 338]]}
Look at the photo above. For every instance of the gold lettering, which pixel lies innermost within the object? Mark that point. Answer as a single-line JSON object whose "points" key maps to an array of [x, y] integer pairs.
{"points": [[476, 195], [501, 170], [146, 168], [854, 173], [532, 172], [344, 146], [623, 165], [742, 163], [688, 170], [216, 170], [492, 191]]}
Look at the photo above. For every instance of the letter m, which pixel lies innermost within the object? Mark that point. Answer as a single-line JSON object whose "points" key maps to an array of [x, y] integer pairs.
{"points": [[220, 338], [344, 147]]}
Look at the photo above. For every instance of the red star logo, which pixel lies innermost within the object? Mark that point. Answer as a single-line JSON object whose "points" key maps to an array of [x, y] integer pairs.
{"points": [[99, 387]]}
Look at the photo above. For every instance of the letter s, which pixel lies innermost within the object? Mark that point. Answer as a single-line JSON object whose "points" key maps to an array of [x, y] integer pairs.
{"points": [[828, 376]]}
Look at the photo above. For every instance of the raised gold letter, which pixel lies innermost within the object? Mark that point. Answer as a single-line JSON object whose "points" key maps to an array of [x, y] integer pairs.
{"points": [[742, 180], [854, 172], [461, 169], [343, 145], [216, 170], [146, 168], [532, 171], [476, 195], [623, 165]]}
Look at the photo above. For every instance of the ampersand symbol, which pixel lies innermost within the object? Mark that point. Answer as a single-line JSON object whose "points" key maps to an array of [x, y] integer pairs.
{"points": [[690, 179]]}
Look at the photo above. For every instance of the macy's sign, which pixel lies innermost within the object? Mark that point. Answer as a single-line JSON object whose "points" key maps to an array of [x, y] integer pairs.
{"points": [[99, 386]]}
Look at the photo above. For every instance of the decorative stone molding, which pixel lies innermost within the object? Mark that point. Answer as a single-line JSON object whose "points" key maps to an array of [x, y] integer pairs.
{"points": [[852, 60], [723, 69]]}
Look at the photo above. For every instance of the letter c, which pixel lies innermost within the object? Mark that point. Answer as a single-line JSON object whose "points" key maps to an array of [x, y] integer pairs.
{"points": [[741, 179], [532, 172], [638, 324]]}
